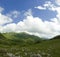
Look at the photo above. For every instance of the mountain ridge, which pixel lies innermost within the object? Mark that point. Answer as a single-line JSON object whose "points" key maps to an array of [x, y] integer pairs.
{"points": [[30, 45], [18, 38]]}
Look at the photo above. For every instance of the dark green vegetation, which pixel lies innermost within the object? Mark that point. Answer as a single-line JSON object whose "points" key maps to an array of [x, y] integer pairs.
{"points": [[25, 45]]}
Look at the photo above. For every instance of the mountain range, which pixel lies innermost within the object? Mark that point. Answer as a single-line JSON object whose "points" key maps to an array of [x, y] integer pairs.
{"points": [[25, 45]]}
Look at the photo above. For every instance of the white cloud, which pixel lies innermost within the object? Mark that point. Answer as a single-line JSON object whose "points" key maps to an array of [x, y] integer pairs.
{"points": [[14, 14], [35, 26], [57, 2], [41, 8], [28, 13], [4, 19], [9, 28], [48, 5], [1, 9]]}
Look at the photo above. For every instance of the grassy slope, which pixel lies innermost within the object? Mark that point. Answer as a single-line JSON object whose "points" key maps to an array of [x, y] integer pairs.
{"points": [[44, 48], [21, 38]]}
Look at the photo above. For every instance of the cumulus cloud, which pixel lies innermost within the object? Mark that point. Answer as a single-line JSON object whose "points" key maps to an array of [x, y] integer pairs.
{"points": [[48, 5], [41, 8], [4, 19], [32, 25], [57, 2], [14, 14], [35, 26], [28, 13], [1, 9], [9, 28]]}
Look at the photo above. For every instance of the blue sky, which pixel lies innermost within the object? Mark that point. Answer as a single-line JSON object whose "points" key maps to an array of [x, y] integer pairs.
{"points": [[19, 4], [24, 5], [37, 17]]}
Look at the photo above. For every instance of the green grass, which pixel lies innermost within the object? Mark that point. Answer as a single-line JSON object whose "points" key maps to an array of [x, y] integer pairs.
{"points": [[25, 45]]}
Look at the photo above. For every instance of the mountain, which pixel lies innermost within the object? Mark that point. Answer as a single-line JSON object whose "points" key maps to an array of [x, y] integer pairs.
{"points": [[56, 37], [19, 38], [25, 45]]}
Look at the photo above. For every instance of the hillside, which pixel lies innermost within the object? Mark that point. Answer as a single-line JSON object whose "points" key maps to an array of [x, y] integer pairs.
{"points": [[19, 38], [56, 37], [25, 45], [1, 36]]}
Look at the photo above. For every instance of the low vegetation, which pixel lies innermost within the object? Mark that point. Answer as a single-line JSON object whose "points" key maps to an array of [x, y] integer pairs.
{"points": [[25, 45]]}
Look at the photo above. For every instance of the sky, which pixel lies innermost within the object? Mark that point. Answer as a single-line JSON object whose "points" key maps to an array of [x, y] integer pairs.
{"points": [[36, 17]]}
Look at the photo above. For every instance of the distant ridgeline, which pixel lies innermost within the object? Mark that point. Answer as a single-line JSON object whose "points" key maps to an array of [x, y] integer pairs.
{"points": [[56, 37], [25, 45], [19, 38]]}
